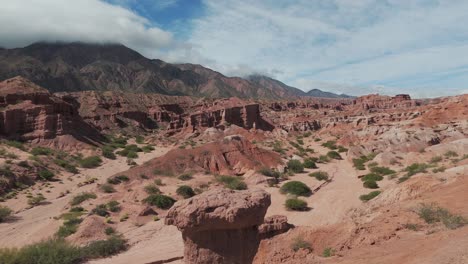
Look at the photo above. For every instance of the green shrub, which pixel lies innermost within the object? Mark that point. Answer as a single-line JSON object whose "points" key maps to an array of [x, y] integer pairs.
{"points": [[105, 248], [152, 189], [331, 144], [440, 169], [5, 212], [342, 149], [300, 243], [69, 227], [109, 231], [185, 177], [91, 162], [160, 201], [359, 162], [451, 154], [36, 200], [370, 185], [432, 213], [369, 196], [320, 175], [38, 151], [416, 168], [323, 159], [15, 144], [269, 172], [139, 139], [108, 152], [334, 155], [147, 148], [82, 197], [295, 204], [185, 191], [118, 179], [45, 175], [100, 210], [232, 182], [66, 165], [309, 163], [328, 252], [113, 206], [382, 170], [295, 166], [107, 188], [436, 159], [372, 177], [296, 188]]}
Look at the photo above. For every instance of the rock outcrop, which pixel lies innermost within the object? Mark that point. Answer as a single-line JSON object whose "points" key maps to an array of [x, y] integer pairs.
{"points": [[221, 225]]}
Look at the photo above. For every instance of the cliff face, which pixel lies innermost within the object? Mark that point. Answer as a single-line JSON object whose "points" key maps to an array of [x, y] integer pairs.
{"points": [[373, 101], [29, 112]]}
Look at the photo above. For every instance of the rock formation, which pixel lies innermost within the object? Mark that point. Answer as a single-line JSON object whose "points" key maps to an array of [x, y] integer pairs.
{"points": [[221, 225]]}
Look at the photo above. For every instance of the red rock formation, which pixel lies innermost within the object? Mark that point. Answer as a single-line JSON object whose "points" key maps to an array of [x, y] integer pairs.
{"points": [[274, 225], [220, 226], [29, 112], [384, 102]]}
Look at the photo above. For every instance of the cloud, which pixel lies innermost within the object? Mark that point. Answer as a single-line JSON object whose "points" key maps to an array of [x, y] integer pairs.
{"points": [[24, 22]]}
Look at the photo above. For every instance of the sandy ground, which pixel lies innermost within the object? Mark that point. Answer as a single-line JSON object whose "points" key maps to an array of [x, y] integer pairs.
{"points": [[38, 223]]}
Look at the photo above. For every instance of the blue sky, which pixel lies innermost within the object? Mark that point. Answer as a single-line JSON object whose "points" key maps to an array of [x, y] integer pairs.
{"points": [[345, 46]]}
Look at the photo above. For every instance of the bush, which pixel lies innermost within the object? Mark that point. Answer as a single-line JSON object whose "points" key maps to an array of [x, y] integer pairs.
{"points": [[328, 252], [359, 162], [369, 196], [185, 177], [232, 182], [36, 200], [370, 185], [15, 144], [296, 188], [432, 213], [159, 200], [66, 165], [372, 177], [342, 149], [295, 166], [5, 212], [296, 204], [46, 175], [91, 162], [147, 148], [82, 197], [299, 243], [113, 206], [416, 168], [436, 159], [331, 144], [100, 210], [105, 248], [139, 139], [269, 172], [109, 231], [152, 189], [38, 151], [185, 191], [69, 227], [382, 170], [118, 179], [107, 188], [323, 159], [320, 175], [108, 152], [334, 155], [451, 154], [309, 163]]}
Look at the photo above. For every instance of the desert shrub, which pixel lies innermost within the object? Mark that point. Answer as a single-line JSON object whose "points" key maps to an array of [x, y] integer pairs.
{"points": [[82, 197], [107, 188], [36, 200], [295, 204], [370, 185], [359, 162], [185, 191], [328, 252], [269, 172], [38, 151], [416, 168], [369, 196], [5, 212], [436, 159], [105, 248], [100, 210], [334, 155], [309, 163], [296, 188], [278, 147], [15, 144], [372, 164], [159, 182], [108, 152], [232, 182], [372, 177], [185, 177], [163, 172], [24, 164], [323, 159], [382, 170], [91, 162], [66, 165], [319, 175], [152, 189], [109, 231], [113, 206], [342, 149], [440, 169], [331, 144], [139, 139], [295, 166], [451, 154], [300, 243], [147, 148], [160, 201], [45, 175], [432, 213], [118, 179], [69, 227]]}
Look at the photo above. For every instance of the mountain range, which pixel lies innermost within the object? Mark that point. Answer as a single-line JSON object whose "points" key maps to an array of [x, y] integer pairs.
{"points": [[67, 67]]}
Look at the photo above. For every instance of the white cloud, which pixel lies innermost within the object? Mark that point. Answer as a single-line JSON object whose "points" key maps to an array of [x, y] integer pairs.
{"points": [[27, 21]]}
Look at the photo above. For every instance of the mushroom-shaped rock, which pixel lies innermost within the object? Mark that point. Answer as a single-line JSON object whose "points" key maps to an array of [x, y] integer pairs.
{"points": [[221, 225]]}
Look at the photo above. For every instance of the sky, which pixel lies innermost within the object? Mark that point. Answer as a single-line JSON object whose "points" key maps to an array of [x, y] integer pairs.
{"points": [[357, 47]]}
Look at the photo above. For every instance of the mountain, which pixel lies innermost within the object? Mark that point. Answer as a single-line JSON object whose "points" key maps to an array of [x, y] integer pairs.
{"points": [[67, 67], [320, 93]]}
